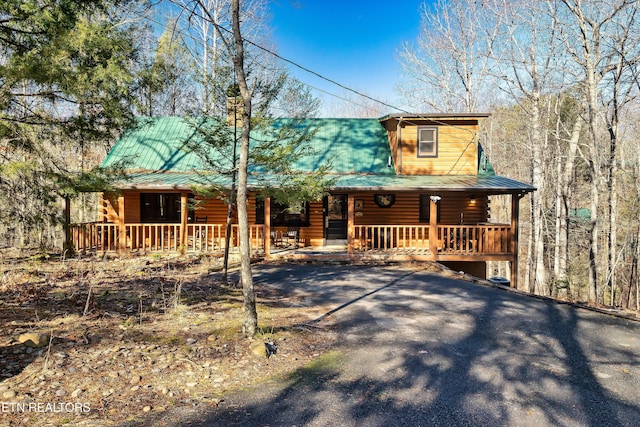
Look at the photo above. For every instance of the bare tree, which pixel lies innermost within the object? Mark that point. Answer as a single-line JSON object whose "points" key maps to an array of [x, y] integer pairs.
{"points": [[447, 70], [564, 134], [210, 58], [602, 39], [527, 70]]}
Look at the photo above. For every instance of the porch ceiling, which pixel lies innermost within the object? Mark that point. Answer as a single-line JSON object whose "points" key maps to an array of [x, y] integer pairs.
{"points": [[490, 184]]}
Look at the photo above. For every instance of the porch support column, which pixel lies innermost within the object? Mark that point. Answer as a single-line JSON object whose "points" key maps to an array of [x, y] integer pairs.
{"points": [[351, 229], [67, 245], [122, 232], [267, 227], [515, 213], [433, 226], [184, 219]]}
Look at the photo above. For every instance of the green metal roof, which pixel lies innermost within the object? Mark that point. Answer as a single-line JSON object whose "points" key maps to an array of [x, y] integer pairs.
{"points": [[156, 144], [357, 150], [348, 145]]}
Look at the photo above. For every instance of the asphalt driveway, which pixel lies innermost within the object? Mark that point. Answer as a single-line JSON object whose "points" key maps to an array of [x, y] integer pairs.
{"points": [[416, 348]]}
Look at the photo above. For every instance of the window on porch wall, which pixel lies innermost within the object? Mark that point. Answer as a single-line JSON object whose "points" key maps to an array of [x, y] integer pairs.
{"points": [[283, 215], [162, 207], [425, 208]]}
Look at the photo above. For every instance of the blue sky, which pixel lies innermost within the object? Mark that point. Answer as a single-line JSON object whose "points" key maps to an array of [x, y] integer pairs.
{"points": [[353, 42]]}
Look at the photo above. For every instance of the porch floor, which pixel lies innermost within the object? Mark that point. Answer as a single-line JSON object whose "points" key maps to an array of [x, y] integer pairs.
{"points": [[340, 253]]}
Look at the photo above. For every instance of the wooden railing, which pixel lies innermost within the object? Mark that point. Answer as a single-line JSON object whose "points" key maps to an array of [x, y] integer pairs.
{"points": [[408, 239], [94, 237], [210, 238], [451, 240], [153, 237], [206, 237], [485, 239]]}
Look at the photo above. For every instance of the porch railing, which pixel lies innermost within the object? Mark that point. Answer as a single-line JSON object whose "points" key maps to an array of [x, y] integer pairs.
{"points": [[210, 238], [484, 239], [153, 237], [94, 237], [410, 239]]}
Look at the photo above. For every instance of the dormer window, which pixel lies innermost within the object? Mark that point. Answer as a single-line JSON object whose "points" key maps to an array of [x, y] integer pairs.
{"points": [[427, 141]]}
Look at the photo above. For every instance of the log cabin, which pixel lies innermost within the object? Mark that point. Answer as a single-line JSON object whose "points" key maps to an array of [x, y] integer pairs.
{"points": [[406, 187]]}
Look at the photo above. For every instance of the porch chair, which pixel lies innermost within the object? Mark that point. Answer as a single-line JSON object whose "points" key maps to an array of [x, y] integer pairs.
{"points": [[293, 233], [200, 232]]}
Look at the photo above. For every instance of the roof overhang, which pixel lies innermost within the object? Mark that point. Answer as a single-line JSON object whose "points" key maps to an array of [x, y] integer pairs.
{"points": [[434, 116], [487, 184]]}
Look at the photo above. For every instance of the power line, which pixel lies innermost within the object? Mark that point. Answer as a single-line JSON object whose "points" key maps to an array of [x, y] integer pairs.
{"points": [[413, 116], [297, 65]]}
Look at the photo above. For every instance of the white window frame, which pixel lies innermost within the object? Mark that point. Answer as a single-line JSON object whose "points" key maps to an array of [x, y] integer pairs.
{"points": [[433, 152]]}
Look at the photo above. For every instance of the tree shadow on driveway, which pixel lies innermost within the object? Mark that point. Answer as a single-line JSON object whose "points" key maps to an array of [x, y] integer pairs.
{"points": [[428, 350]]}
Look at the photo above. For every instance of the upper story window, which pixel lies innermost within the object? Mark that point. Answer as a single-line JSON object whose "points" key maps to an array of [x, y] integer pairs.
{"points": [[427, 141]]}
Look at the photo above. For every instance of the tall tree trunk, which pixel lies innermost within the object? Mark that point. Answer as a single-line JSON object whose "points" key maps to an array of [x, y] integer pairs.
{"points": [[612, 200], [593, 237], [250, 323], [537, 214], [564, 191]]}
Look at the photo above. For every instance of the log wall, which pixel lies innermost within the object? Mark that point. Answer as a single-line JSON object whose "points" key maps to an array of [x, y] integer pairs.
{"points": [[457, 149]]}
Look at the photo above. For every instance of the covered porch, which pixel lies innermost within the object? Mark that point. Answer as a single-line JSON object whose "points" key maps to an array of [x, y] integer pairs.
{"points": [[391, 242], [443, 219]]}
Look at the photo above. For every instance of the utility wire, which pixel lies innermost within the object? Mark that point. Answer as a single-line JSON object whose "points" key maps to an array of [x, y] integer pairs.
{"points": [[413, 115], [308, 70]]}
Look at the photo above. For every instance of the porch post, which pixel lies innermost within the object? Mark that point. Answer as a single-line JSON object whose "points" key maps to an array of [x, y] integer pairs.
{"points": [[67, 245], [122, 232], [184, 219], [267, 226], [433, 226], [351, 207], [515, 213]]}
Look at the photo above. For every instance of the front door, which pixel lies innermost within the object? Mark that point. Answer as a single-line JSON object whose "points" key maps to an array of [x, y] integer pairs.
{"points": [[335, 217]]}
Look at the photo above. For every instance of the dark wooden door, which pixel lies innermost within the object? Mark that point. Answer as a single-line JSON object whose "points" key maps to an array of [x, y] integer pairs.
{"points": [[335, 220]]}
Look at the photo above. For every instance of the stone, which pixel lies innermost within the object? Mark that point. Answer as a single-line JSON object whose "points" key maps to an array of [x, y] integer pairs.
{"points": [[135, 379], [191, 341], [34, 339], [61, 393], [9, 394], [76, 393], [146, 409], [259, 348]]}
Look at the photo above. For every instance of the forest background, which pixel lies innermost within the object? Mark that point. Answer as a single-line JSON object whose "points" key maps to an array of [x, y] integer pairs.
{"points": [[560, 79]]}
